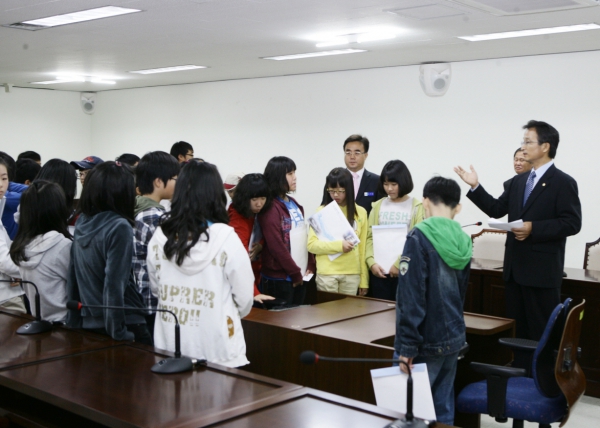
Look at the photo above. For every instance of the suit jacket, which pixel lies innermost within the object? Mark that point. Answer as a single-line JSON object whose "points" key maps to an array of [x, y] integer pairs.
{"points": [[367, 191], [554, 209]]}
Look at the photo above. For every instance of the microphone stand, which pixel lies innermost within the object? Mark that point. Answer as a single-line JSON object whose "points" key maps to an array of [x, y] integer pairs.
{"points": [[38, 325], [170, 365], [409, 421]]}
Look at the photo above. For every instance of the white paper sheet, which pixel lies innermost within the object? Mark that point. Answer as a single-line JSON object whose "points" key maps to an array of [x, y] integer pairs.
{"points": [[497, 224], [298, 241], [388, 243], [389, 385], [330, 224]]}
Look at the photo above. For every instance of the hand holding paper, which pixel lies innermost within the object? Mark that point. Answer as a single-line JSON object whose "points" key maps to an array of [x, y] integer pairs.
{"points": [[497, 224]]}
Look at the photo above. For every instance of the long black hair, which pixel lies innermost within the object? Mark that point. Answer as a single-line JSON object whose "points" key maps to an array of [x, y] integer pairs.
{"points": [[197, 200], [109, 187], [395, 171], [250, 186], [43, 209], [341, 177], [275, 173], [62, 173]]}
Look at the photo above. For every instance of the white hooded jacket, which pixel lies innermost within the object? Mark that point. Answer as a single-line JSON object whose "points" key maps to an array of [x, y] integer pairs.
{"points": [[210, 293], [8, 269], [48, 267]]}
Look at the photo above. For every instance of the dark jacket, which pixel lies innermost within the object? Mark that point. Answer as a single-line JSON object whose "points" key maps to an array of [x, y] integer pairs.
{"points": [[277, 261], [554, 210], [100, 273], [429, 302], [367, 191]]}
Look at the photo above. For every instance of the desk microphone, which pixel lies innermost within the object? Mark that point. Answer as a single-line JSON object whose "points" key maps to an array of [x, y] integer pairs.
{"points": [[310, 357], [474, 224], [39, 325], [177, 364]]}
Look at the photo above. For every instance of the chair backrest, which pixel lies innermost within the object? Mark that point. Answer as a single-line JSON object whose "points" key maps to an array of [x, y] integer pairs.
{"points": [[591, 259], [544, 358], [569, 376], [489, 244]]}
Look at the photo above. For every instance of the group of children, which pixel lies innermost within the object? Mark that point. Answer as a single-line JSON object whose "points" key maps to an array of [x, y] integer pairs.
{"points": [[209, 264]]}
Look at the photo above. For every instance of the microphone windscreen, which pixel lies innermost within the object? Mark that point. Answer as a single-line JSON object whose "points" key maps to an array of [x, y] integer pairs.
{"points": [[73, 304], [308, 357]]}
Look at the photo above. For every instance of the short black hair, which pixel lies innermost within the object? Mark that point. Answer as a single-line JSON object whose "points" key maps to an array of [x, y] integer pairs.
{"points": [[520, 149], [155, 165], [442, 190], [546, 134], [250, 186], [358, 139], [180, 148], [128, 158], [109, 187], [27, 169], [11, 165], [275, 173], [30, 154], [61, 172], [341, 177], [395, 171]]}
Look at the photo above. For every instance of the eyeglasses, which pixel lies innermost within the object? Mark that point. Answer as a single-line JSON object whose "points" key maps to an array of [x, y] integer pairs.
{"points": [[528, 143], [189, 155], [336, 191], [353, 153], [81, 174]]}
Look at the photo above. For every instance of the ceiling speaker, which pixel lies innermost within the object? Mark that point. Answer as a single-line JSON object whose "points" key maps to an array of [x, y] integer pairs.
{"points": [[88, 102], [435, 78]]}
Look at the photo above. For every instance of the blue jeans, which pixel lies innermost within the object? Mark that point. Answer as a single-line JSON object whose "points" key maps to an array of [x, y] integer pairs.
{"points": [[441, 371]]}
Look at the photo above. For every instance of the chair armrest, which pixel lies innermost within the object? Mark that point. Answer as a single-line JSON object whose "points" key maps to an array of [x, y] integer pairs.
{"points": [[501, 371], [497, 381], [519, 344]]}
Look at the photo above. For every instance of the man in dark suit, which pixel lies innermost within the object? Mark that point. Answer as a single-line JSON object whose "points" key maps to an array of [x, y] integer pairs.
{"points": [[356, 150], [520, 165], [547, 201]]}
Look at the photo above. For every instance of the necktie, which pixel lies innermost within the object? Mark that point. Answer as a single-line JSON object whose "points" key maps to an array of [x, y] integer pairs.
{"points": [[356, 183], [529, 186]]}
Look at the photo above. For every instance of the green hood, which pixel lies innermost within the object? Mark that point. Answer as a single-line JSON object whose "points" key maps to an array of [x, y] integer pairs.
{"points": [[447, 237], [143, 203]]}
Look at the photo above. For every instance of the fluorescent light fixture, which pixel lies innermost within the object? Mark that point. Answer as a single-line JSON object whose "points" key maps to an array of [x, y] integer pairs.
{"points": [[315, 54], [373, 36], [168, 69], [81, 16], [525, 33], [336, 41], [74, 78]]}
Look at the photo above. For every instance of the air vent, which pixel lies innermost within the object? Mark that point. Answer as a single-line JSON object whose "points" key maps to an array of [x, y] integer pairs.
{"points": [[521, 7], [425, 12], [23, 26]]}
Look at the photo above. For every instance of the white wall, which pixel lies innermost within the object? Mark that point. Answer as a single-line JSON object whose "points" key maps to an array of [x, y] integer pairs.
{"points": [[239, 125], [48, 122]]}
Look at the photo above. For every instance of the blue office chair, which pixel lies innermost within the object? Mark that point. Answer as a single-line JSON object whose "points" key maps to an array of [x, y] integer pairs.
{"points": [[523, 349], [548, 396]]}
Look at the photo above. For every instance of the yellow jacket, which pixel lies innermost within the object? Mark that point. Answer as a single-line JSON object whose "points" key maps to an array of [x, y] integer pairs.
{"points": [[351, 263]]}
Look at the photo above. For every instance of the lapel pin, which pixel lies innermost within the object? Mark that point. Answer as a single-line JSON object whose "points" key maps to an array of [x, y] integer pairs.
{"points": [[543, 184]]}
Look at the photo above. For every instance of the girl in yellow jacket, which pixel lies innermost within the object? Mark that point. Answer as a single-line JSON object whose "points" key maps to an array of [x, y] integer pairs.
{"points": [[348, 273]]}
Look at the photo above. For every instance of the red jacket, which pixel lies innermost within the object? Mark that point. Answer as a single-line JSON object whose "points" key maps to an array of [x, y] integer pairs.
{"points": [[243, 227], [277, 261]]}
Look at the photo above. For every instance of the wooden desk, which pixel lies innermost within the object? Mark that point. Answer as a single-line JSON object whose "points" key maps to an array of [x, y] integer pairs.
{"points": [[485, 295], [309, 408], [274, 345], [16, 349], [115, 387]]}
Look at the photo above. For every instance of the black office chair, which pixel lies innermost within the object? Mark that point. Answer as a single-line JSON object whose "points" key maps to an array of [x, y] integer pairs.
{"points": [[548, 396]]}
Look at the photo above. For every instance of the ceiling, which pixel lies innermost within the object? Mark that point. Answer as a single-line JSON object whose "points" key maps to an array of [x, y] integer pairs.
{"points": [[231, 36]]}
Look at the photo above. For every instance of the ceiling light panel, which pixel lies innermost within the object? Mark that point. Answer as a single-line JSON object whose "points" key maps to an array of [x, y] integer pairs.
{"points": [[315, 54], [72, 18], [168, 69], [426, 12], [526, 33], [520, 7]]}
